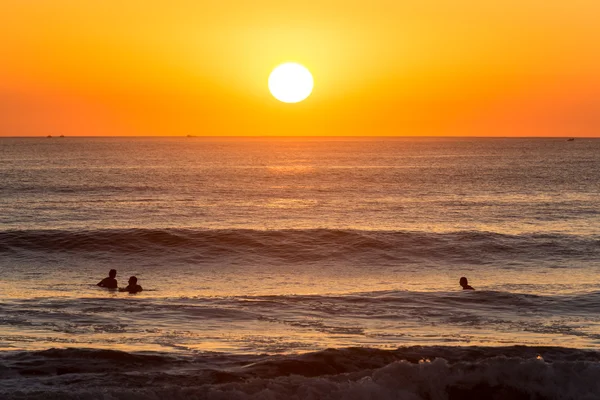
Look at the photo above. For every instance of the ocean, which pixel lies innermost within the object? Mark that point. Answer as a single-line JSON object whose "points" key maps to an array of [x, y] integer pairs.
{"points": [[300, 268]]}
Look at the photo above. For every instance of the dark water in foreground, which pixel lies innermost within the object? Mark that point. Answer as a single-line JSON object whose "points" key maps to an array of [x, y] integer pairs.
{"points": [[357, 373], [258, 254]]}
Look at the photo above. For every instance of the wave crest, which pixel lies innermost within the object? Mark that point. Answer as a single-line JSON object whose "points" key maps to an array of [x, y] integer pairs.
{"points": [[306, 245], [414, 373]]}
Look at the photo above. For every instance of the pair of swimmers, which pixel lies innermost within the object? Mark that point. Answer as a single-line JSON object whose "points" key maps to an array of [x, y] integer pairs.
{"points": [[111, 283]]}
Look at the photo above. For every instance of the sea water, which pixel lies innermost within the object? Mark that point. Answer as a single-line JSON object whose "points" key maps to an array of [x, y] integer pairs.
{"points": [[258, 254]]}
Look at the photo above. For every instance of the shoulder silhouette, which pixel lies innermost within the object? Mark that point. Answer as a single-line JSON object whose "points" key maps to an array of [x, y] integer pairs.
{"points": [[109, 282], [465, 284], [133, 287]]}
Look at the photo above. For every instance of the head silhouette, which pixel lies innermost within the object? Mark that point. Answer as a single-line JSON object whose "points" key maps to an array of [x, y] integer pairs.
{"points": [[464, 282], [112, 273], [132, 280]]}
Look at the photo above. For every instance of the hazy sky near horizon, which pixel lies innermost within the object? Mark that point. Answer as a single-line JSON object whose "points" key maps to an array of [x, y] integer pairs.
{"points": [[432, 67]]}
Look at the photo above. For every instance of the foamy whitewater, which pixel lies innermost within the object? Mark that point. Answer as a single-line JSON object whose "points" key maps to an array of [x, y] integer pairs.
{"points": [[300, 268]]}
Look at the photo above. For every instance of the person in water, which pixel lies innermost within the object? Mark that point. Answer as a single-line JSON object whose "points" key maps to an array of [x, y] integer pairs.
{"points": [[109, 282], [465, 284], [133, 287]]}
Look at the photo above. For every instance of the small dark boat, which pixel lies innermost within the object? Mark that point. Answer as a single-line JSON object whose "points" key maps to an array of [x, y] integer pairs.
{"points": [[49, 136], [571, 140], [62, 136]]}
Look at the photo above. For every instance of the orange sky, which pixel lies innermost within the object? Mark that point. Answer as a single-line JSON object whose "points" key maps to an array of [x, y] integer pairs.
{"points": [[429, 67]]}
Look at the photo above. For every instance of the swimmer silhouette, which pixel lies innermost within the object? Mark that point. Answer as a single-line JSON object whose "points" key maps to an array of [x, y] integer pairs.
{"points": [[465, 284], [110, 282], [133, 287]]}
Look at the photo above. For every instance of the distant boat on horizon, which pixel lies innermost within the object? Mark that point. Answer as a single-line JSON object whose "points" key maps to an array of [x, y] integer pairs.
{"points": [[571, 140], [62, 136], [192, 136], [49, 136]]}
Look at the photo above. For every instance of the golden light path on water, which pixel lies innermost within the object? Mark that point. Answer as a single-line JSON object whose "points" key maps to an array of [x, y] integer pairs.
{"points": [[299, 244]]}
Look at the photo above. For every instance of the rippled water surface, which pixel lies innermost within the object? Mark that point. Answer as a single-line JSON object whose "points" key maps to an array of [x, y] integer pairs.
{"points": [[250, 246]]}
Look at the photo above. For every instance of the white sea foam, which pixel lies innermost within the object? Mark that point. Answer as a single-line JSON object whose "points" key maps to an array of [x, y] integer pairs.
{"points": [[470, 373]]}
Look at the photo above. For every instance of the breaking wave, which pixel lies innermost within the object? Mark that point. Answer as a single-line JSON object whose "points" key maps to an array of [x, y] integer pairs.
{"points": [[410, 373]]}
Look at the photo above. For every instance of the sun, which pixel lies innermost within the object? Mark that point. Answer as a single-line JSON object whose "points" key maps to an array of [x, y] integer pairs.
{"points": [[291, 83]]}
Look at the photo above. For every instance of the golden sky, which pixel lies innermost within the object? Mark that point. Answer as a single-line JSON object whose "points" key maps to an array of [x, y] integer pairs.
{"points": [[177, 67]]}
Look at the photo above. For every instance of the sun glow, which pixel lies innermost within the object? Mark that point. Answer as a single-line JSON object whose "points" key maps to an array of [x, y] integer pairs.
{"points": [[291, 83]]}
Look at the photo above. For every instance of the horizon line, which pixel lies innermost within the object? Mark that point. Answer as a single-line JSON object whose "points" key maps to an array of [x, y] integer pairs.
{"points": [[296, 136]]}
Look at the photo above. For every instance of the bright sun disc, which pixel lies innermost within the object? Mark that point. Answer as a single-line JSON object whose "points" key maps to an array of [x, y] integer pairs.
{"points": [[290, 83]]}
